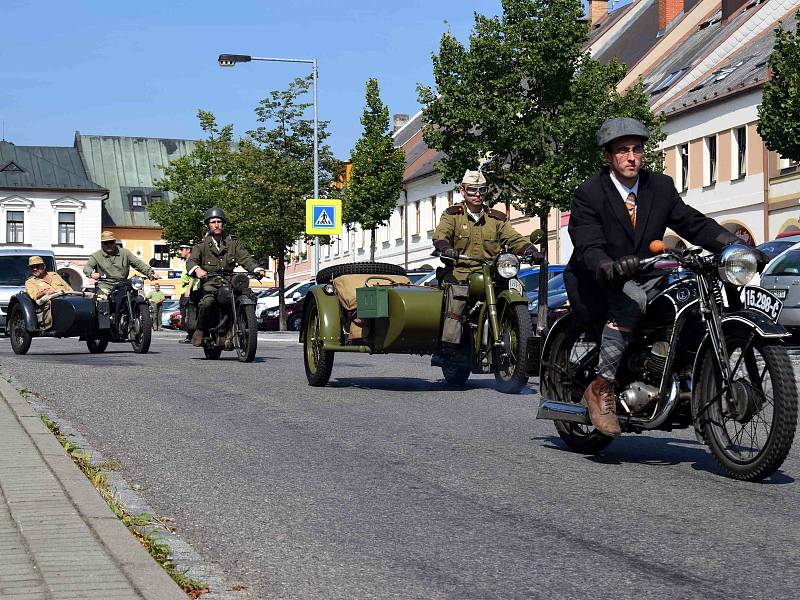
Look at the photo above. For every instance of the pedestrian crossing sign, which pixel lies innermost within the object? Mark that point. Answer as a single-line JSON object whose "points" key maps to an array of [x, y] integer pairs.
{"points": [[323, 216]]}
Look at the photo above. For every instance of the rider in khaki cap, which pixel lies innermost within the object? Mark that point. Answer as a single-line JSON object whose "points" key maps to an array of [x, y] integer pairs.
{"points": [[41, 286], [113, 262]]}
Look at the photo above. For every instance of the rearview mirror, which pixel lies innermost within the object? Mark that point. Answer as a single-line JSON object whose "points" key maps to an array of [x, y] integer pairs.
{"points": [[296, 296], [536, 236]]}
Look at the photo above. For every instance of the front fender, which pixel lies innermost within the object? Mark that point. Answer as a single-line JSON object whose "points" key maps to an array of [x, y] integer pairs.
{"points": [[744, 321], [330, 327], [28, 308]]}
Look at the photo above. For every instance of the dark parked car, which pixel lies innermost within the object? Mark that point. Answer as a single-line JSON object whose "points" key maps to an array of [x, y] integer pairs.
{"points": [[556, 293], [294, 316]]}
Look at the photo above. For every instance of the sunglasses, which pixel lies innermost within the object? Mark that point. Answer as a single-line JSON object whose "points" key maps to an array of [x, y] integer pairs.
{"points": [[474, 190], [37, 267]]}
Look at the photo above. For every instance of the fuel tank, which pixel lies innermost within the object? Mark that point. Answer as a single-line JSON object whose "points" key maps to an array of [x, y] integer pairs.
{"points": [[414, 324], [73, 316]]}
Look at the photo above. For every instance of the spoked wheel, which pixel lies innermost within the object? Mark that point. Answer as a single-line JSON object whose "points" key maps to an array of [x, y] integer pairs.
{"points": [[20, 337], [247, 335], [318, 362], [97, 343], [749, 428], [141, 329], [212, 352], [511, 369], [573, 366], [456, 375]]}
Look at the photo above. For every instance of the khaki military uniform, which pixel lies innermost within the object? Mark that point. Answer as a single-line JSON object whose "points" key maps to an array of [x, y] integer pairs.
{"points": [[116, 267], [213, 257], [37, 287], [482, 238]]}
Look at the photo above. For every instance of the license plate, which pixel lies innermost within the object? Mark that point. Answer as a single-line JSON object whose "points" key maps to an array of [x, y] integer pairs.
{"points": [[779, 294], [515, 285], [760, 300]]}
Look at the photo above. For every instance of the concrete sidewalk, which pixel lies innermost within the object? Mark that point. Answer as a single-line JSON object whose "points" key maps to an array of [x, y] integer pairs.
{"points": [[58, 537]]}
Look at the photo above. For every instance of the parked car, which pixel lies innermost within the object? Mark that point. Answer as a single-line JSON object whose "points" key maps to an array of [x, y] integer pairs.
{"points": [[417, 276], [293, 293], [167, 307], [774, 247], [14, 270], [269, 320], [529, 276], [782, 278]]}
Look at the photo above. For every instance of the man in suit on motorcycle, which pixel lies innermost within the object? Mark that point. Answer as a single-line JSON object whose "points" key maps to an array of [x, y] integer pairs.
{"points": [[616, 213], [215, 252]]}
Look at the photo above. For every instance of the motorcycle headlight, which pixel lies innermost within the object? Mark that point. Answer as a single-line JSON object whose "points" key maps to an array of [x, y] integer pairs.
{"points": [[137, 283], [737, 264], [507, 265]]}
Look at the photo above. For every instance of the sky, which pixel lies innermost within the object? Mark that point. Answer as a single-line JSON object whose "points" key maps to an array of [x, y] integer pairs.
{"points": [[144, 68]]}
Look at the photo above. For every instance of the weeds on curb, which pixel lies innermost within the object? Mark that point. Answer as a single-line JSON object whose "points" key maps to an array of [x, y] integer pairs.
{"points": [[157, 548]]}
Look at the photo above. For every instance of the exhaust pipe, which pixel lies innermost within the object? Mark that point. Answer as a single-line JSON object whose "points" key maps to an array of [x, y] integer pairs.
{"points": [[563, 411]]}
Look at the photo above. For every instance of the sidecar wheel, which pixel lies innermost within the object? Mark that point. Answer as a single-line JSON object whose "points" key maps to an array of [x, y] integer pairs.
{"points": [[574, 365], [248, 334], [97, 343], [456, 375], [20, 337], [318, 362], [751, 436], [511, 372], [358, 268], [142, 327], [212, 353]]}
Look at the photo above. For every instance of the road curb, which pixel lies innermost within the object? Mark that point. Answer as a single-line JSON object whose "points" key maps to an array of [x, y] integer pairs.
{"points": [[48, 494]]}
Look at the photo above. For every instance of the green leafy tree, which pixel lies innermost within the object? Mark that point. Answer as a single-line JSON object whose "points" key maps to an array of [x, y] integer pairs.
{"points": [[278, 158], [779, 113], [208, 176], [377, 172], [526, 100]]}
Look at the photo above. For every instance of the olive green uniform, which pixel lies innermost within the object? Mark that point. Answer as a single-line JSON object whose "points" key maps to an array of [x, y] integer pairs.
{"points": [[212, 257], [115, 266], [481, 239], [36, 287]]}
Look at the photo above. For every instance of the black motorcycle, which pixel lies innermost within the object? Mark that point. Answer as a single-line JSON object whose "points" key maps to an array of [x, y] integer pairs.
{"points": [[123, 317], [233, 318], [708, 354]]}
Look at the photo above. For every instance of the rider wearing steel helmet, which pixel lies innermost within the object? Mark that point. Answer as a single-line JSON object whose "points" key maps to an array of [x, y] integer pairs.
{"points": [[615, 215], [215, 252]]}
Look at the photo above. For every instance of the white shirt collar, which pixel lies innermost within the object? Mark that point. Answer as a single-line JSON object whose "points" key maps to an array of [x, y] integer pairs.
{"points": [[475, 216], [623, 189]]}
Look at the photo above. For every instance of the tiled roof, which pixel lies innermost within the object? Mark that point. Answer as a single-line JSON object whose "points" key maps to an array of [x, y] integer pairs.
{"points": [[43, 168], [744, 70], [125, 165], [625, 47]]}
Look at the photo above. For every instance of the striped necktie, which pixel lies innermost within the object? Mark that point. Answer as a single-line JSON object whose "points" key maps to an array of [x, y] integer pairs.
{"points": [[630, 204]]}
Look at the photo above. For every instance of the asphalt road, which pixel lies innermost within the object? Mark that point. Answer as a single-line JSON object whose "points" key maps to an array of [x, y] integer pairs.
{"points": [[386, 484]]}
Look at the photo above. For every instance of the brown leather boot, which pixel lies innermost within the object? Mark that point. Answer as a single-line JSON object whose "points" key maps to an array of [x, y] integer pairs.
{"points": [[197, 338], [600, 399]]}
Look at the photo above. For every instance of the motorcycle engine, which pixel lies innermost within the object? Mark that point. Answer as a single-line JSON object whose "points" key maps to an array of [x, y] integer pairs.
{"points": [[657, 361], [638, 396]]}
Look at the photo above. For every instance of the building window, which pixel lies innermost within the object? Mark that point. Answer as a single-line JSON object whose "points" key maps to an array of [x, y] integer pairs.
{"points": [[401, 232], [433, 212], [417, 218], [740, 163], [787, 164], [155, 197], [684, 154], [160, 256], [711, 160], [449, 198], [66, 228], [136, 200], [15, 227]]}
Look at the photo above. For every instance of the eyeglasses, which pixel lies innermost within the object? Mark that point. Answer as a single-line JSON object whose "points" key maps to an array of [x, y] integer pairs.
{"points": [[37, 267], [474, 190], [624, 151]]}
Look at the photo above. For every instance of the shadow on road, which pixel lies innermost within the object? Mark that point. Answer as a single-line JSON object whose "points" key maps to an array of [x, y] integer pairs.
{"points": [[657, 451], [411, 384], [232, 358]]}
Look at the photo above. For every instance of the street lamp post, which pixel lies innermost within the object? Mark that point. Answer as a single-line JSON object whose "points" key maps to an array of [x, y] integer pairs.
{"points": [[230, 60]]}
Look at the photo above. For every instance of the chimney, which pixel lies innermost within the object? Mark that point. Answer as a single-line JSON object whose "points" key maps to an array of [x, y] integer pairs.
{"points": [[667, 11], [731, 6], [598, 9], [399, 119]]}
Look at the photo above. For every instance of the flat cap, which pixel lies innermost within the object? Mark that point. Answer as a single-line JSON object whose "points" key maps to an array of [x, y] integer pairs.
{"points": [[620, 127], [187, 246]]}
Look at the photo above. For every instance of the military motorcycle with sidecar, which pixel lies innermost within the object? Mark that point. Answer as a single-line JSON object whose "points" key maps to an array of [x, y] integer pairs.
{"points": [[373, 308], [124, 317]]}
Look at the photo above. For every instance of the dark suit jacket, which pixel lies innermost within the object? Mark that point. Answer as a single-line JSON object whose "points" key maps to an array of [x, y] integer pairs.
{"points": [[601, 229]]}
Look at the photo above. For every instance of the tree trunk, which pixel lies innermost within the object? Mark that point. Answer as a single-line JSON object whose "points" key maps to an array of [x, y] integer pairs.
{"points": [[373, 231], [541, 316], [281, 289]]}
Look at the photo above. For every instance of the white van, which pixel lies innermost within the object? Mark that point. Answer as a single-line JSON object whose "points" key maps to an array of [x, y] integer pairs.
{"points": [[14, 270]]}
